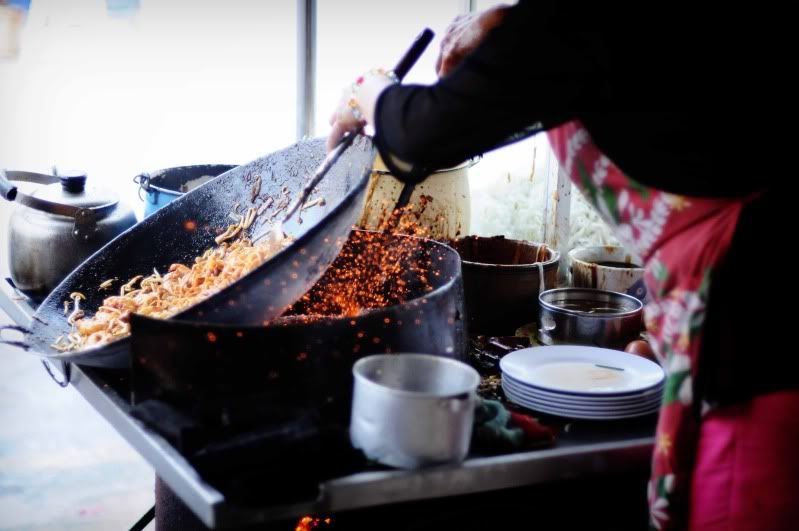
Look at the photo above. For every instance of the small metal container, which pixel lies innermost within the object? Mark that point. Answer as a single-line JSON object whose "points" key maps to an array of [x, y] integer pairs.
{"points": [[607, 267], [583, 316], [413, 410]]}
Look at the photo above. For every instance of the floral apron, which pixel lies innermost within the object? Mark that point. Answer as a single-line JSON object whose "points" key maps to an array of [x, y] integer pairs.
{"points": [[680, 239]]}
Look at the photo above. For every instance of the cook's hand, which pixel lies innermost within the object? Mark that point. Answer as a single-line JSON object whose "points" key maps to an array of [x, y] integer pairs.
{"points": [[357, 104], [343, 119], [464, 34]]}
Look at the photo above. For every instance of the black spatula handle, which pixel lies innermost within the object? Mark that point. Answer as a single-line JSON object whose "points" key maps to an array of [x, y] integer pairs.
{"points": [[405, 64], [414, 52]]}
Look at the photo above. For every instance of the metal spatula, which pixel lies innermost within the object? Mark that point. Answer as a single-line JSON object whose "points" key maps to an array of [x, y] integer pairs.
{"points": [[275, 234]]}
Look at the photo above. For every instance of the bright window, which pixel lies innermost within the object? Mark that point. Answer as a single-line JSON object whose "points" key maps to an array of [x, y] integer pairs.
{"points": [[171, 83]]}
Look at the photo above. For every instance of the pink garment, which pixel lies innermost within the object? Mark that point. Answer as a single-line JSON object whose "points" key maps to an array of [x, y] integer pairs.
{"points": [[746, 475], [682, 241]]}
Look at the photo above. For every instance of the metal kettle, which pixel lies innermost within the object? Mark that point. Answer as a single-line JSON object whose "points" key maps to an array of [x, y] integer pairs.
{"points": [[64, 223]]}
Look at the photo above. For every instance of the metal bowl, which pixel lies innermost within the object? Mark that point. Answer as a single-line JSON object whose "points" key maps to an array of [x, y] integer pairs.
{"points": [[413, 410], [584, 316]]}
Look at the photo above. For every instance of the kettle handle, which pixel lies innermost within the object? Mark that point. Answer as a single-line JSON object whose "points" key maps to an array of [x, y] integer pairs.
{"points": [[8, 190], [11, 193]]}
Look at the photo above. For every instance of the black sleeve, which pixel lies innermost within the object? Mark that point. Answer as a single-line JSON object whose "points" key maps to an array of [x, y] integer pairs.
{"points": [[518, 78]]}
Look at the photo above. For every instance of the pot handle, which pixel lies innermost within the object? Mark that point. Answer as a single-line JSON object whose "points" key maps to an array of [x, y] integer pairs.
{"points": [[542, 284], [143, 180], [11, 193], [65, 367], [19, 344], [457, 403]]}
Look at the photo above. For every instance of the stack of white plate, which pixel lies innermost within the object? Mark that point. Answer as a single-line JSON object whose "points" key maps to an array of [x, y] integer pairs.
{"points": [[582, 382]]}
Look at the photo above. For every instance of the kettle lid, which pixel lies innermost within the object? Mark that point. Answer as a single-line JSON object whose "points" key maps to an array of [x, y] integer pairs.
{"points": [[71, 190]]}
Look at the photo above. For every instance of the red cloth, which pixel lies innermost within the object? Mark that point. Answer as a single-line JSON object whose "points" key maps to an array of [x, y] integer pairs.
{"points": [[535, 433], [681, 240], [746, 475]]}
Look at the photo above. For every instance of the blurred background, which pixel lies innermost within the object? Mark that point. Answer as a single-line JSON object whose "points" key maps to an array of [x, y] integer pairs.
{"points": [[118, 87]]}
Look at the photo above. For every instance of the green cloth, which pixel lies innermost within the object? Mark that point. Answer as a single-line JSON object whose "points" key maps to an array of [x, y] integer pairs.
{"points": [[491, 428]]}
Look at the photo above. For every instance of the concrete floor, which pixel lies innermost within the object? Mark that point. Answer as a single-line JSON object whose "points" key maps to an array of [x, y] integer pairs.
{"points": [[61, 465]]}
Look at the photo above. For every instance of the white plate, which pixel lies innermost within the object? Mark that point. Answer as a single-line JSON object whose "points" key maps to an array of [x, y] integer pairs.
{"points": [[582, 371], [633, 398], [586, 405], [538, 404], [576, 414], [584, 416]]}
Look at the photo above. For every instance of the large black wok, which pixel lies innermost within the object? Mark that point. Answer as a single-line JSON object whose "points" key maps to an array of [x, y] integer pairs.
{"points": [[185, 228], [300, 359]]}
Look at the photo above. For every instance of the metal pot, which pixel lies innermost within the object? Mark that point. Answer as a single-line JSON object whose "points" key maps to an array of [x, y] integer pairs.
{"points": [[607, 267], [63, 224], [413, 410], [501, 279], [443, 199], [164, 186], [585, 316]]}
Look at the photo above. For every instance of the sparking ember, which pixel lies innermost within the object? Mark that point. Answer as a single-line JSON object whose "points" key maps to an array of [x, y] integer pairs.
{"points": [[372, 271], [307, 523]]}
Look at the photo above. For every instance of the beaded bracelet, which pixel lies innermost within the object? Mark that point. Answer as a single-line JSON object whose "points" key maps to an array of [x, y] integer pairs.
{"points": [[352, 103]]}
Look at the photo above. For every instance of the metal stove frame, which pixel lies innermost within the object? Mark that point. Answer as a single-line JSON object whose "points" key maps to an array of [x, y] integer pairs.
{"points": [[586, 449]]}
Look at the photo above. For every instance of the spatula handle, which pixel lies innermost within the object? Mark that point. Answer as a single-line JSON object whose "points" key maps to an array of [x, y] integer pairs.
{"points": [[403, 66], [414, 53]]}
